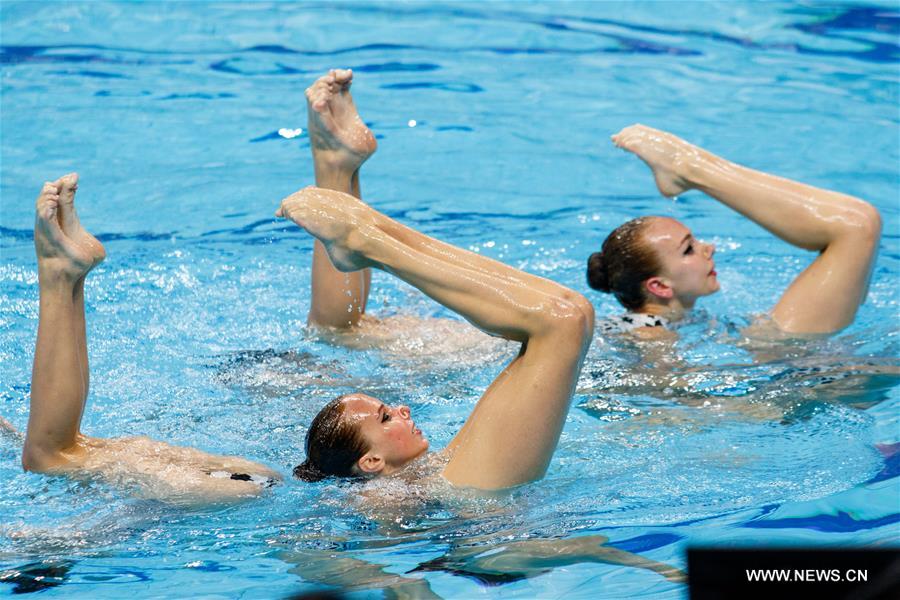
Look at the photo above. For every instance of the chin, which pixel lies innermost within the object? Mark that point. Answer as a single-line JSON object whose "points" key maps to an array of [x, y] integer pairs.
{"points": [[713, 289]]}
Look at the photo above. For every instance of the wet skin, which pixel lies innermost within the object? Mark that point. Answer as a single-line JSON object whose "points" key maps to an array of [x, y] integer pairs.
{"points": [[392, 436], [688, 270]]}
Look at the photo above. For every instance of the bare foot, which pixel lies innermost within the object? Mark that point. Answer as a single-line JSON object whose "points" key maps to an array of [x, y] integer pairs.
{"points": [[68, 219], [57, 252], [340, 221], [339, 138], [665, 154]]}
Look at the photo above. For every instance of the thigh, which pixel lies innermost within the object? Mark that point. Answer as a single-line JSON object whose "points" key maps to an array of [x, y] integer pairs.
{"points": [[513, 431], [825, 296]]}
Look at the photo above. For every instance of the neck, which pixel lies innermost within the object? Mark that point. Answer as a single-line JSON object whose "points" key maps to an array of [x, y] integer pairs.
{"points": [[674, 309]]}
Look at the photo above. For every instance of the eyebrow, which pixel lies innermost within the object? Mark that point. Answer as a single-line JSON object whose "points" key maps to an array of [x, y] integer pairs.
{"points": [[686, 238], [381, 409]]}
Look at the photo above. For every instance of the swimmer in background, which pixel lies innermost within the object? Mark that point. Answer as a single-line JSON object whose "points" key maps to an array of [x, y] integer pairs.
{"points": [[508, 440], [54, 443], [513, 430], [657, 270], [511, 434]]}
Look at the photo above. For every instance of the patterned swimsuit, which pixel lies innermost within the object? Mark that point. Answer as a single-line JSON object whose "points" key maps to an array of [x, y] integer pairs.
{"points": [[631, 321]]}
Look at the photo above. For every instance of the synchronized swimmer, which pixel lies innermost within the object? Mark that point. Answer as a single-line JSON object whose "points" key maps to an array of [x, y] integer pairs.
{"points": [[508, 439], [653, 265], [657, 269]]}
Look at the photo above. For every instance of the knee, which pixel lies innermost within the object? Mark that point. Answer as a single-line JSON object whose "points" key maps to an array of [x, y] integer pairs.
{"points": [[36, 460], [572, 318], [585, 306], [33, 461], [863, 221], [870, 222]]}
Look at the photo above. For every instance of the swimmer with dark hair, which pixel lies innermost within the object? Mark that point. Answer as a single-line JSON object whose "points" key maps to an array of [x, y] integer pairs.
{"points": [[54, 443], [508, 440], [657, 270], [514, 428]]}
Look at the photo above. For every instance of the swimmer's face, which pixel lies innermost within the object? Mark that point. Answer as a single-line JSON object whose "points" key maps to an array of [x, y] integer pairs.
{"points": [[390, 432], [688, 270]]}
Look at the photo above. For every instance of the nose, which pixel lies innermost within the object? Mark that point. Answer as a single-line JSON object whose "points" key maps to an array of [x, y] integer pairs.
{"points": [[710, 249]]}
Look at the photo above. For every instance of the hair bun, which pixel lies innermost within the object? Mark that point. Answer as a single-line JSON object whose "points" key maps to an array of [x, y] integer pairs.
{"points": [[598, 273], [308, 472]]}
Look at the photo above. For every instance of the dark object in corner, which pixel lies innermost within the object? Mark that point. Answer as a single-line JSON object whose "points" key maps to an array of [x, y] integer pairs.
{"points": [[37, 576], [821, 573]]}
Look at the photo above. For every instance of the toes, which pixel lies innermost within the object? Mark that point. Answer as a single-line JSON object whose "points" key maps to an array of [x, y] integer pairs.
{"points": [[50, 187], [344, 77], [47, 208], [70, 180], [68, 185]]}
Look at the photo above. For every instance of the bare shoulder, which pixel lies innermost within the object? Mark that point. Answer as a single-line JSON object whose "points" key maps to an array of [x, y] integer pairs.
{"points": [[654, 334]]}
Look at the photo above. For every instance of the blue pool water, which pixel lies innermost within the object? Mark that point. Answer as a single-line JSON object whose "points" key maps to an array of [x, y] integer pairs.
{"points": [[170, 112]]}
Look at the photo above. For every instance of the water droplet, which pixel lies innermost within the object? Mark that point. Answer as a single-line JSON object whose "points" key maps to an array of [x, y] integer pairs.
{"points": [[289, 133], [411, 123]]}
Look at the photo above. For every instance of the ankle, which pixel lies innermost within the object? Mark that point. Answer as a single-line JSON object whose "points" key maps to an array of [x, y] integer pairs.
{"points": [[333, 170], [53, 276], [697, 166]]}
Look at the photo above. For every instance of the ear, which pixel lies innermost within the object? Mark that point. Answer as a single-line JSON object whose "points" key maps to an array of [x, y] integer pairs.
{"points": [[370, 464], [659, 287]]}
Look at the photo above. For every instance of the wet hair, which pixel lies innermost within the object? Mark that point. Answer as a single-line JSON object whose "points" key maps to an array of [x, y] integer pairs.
{"points": [[624, 263], [333, 445]]}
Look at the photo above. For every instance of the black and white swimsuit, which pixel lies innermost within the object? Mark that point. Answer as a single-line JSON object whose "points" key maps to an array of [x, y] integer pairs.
{"points": [[631, 321], [255, 479]]}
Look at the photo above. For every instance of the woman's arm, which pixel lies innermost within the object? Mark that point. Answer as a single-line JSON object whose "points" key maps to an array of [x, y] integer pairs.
{"points": [[514, 429], [844, 230]]}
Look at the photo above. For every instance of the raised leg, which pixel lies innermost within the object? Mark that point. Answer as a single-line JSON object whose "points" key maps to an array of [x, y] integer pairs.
{"points": [[340, 144], [59, 386], [515, 427], [844, 230]]}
